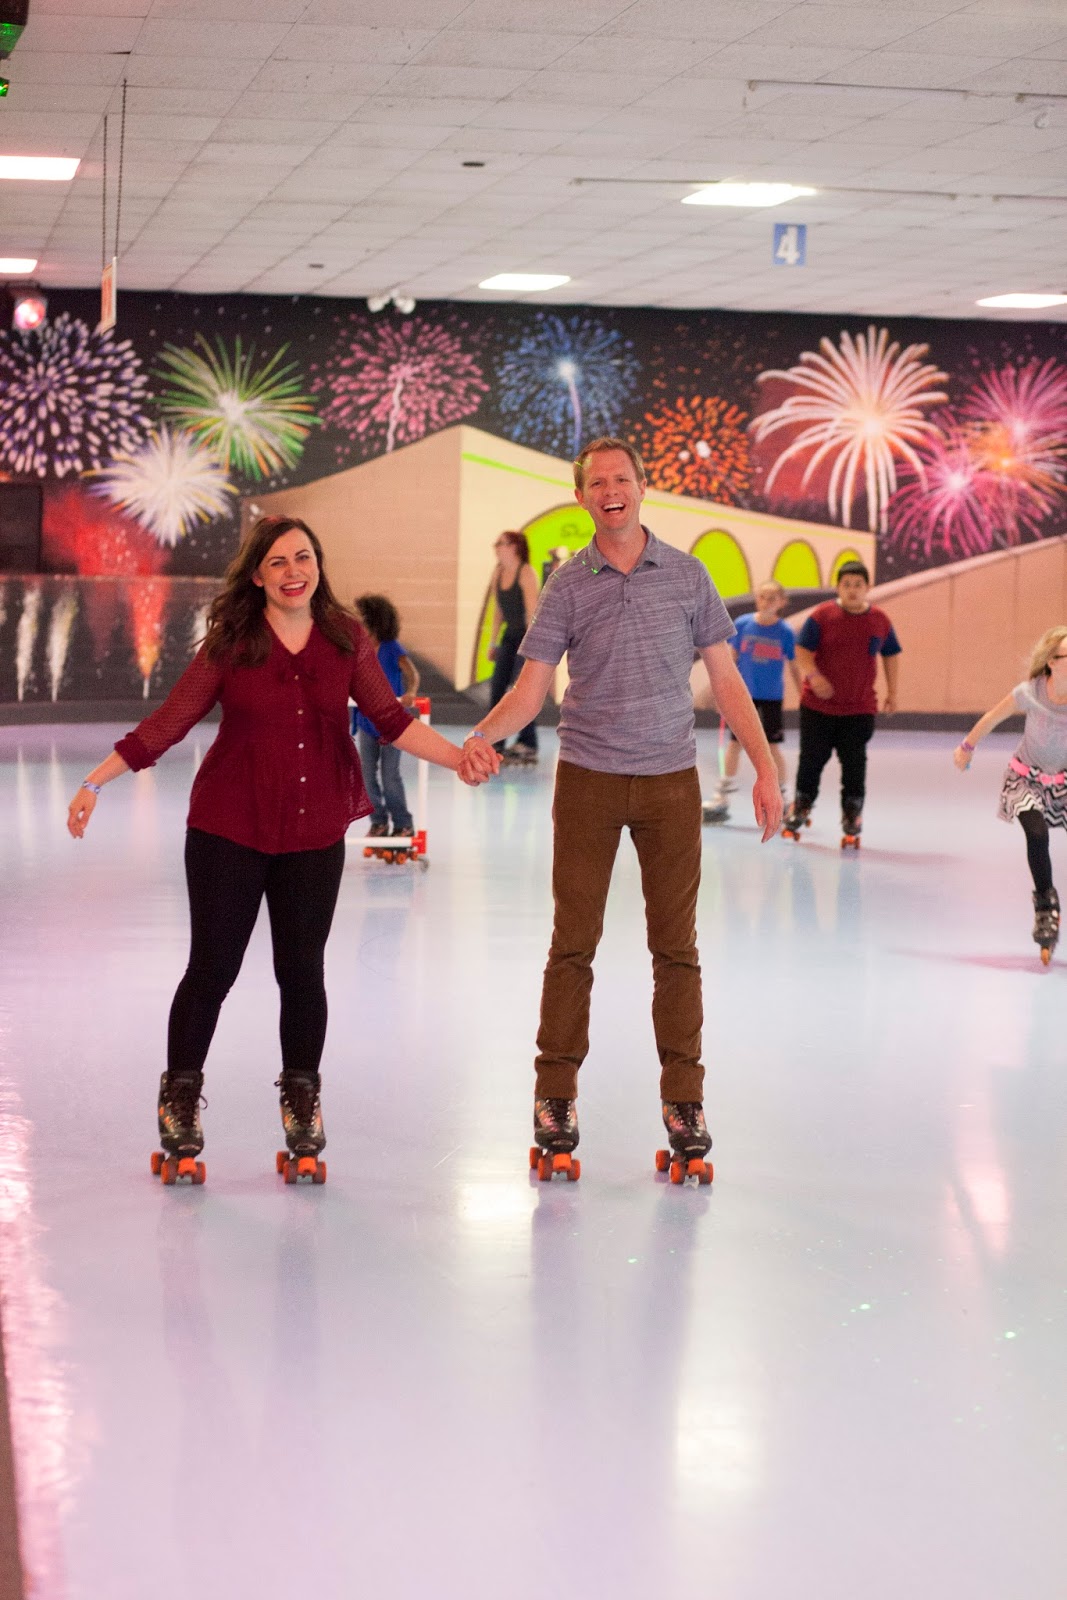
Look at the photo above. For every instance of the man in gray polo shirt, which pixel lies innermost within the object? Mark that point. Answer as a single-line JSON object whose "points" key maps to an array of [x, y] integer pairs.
{"points": [[629, 612]]}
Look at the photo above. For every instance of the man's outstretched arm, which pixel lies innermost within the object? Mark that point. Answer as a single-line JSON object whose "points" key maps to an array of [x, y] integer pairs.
{"points": [[735, 704], [518, 707]]}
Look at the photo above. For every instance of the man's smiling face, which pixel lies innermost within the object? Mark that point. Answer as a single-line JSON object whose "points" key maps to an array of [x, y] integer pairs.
{"points": [[611, 492]]}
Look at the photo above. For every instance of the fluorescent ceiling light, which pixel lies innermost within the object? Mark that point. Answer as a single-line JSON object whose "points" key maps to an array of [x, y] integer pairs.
{"points": [[524, 282], [16, 266], [745, 194], [1023, 302], [47, 169]]}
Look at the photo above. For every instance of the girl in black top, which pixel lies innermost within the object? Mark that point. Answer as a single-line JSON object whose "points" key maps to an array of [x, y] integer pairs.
{"points": [[514, 603]]}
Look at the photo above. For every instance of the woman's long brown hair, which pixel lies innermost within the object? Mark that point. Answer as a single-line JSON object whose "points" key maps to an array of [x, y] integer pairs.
{"points": [[236, 626]]}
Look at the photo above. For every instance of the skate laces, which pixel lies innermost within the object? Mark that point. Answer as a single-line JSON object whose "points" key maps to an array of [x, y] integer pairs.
{"points": [[556, 1116], [300, 1095], [185, 1098]]}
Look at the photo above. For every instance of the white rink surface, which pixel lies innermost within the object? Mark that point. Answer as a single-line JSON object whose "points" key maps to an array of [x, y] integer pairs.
{"points": [[842, 1372]]}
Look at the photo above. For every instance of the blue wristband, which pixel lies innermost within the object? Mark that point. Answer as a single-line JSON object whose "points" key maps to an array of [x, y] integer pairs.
{"points": [[93, 788], [474, 734]]}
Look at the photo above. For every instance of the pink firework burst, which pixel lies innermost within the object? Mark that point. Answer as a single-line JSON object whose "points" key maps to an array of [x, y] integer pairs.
{"points": [[398, 381], [946, 498], [859, 409], [1029, 405]]}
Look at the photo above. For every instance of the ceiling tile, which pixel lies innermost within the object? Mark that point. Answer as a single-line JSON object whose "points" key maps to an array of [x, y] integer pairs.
{"points": [[248, 41]]}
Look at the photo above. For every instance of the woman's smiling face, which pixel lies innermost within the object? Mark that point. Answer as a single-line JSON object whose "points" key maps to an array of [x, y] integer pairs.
{"points": [[289, 572]]}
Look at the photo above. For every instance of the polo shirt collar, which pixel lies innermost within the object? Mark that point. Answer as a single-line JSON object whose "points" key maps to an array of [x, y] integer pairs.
{"points": [[594, 558]]}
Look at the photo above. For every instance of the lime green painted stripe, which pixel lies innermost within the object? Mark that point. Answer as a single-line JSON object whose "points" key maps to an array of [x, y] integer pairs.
{"points": [[811, 529]]}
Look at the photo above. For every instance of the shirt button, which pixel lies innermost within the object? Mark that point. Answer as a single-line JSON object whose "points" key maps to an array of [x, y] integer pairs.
{"points": [[300, 711], [300, 747], [301, 811], [303, 780]]}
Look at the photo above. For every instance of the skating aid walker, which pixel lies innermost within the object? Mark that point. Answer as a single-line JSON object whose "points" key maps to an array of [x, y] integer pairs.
{"points": [[399, 849]]}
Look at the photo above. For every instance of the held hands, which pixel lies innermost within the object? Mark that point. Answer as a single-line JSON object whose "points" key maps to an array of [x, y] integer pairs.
{"points": [[767, 803], [81, 809], [479, 762]]}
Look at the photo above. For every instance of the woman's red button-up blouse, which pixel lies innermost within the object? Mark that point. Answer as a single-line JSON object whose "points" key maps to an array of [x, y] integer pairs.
{"points": [[283, 773]]}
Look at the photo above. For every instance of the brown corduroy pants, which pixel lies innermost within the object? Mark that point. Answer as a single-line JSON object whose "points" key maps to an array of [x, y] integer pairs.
{"points": [[589, 812]]}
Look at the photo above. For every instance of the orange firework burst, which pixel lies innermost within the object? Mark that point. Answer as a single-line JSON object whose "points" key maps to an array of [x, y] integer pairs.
{"points": [[147, 600], [698, 447]]}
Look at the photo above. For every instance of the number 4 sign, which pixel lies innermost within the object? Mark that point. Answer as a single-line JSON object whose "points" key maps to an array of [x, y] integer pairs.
{"points": [[790, 244]]}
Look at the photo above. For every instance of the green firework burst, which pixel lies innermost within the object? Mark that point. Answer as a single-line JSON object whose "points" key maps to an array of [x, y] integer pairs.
{"points": [[255, 420]]}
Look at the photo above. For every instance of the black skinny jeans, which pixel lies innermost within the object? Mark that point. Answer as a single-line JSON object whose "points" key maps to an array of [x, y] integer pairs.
{"points": [[1037, 851], [226, 882], [822, 734], [507, 657]]}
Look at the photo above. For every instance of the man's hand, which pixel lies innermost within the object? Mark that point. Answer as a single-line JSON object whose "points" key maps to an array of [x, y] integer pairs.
{"points": [[821, 686], [480, 762], [767, 803]]}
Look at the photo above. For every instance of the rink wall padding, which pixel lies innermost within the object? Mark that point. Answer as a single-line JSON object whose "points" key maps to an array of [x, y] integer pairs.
{"points": [[11, 1582]]}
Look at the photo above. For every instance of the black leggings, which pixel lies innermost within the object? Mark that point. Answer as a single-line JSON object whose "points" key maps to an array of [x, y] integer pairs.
{"points": [[822, 734], [1035, 828], [226, 882], [507, 659]]}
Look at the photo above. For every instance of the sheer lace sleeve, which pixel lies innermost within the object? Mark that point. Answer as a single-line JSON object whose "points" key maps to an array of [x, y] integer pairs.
{"points": [[192, 697], [370, 689]]}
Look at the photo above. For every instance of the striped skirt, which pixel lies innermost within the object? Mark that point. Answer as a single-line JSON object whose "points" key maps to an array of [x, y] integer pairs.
{"points": [[1027, 789]]}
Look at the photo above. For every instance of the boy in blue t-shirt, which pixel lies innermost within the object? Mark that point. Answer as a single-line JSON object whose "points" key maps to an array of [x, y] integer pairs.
{"points": [[763, 645], [381, 763]]}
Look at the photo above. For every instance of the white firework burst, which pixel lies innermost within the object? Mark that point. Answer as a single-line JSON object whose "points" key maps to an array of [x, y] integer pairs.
{"points": [[168, 484], [69, 398], [861, 410]]}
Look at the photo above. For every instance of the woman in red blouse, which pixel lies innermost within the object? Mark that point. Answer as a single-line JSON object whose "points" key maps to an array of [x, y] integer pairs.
{"points": [[268, 813]]}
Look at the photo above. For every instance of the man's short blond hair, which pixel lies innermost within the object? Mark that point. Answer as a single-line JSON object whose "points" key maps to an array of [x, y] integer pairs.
{"points": [[606, 441]]}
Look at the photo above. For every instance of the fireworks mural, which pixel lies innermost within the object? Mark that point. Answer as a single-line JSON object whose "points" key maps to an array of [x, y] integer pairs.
{"points": [[168, 484], [253, 418], [565, 381], [391, 383], [859, 408], [68, 399], [698, 447]]}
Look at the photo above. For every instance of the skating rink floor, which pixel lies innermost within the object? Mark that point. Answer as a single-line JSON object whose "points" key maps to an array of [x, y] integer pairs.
{"points": [[841, 1372]]}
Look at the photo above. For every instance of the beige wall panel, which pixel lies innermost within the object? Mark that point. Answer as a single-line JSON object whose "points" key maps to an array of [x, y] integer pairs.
{"points": [[1039, 597], [389, 526], [984, 660], [923, 623]]}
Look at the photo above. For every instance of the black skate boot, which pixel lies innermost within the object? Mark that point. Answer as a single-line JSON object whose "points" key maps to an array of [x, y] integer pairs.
{"points": [[1046, 923], [717, 809], [180, 1132], [798, 816], [690, 1142], [851, 823], [556, 1135], [301, 1110]]}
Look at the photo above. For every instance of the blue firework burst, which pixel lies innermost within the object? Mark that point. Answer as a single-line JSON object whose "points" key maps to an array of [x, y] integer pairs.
{"points": [[566, 380]]}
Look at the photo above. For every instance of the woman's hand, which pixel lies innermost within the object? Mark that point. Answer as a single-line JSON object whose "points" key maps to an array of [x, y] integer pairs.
{"points": [[81, 809]]}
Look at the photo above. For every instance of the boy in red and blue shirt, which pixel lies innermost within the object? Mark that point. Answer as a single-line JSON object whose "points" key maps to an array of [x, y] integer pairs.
{"points": [[837, 651]]}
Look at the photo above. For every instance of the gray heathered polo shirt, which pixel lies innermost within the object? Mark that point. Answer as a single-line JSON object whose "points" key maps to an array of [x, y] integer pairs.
{"points": [[629, 640]]}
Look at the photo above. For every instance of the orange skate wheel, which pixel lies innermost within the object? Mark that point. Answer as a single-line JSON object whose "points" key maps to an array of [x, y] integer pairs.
{"points": [[157, 1162], [695, 1169], [535, 1156], [677, 1172], [574, 1172], [289, 1171], [280, 1158], [544, 1168], [305, 1167], [168, 1170], [187, 1167], [200, 1173], [1046, 957], [319, 1174], [663, 1160], [367, 852], [708, 1172]]}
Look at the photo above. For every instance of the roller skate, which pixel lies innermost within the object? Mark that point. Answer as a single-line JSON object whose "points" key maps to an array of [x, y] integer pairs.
{"points": [[301, 1110], [556, 1135], [180, 1132], [1046, 923], [717, 809], [851, 824], [798, 816], [690, 1142]]}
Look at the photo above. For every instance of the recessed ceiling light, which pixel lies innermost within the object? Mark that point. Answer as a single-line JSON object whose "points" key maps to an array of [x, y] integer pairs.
{"points": [[745, 194], [16, 266], [524, 282], [42, 169], [1023, 302]]}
